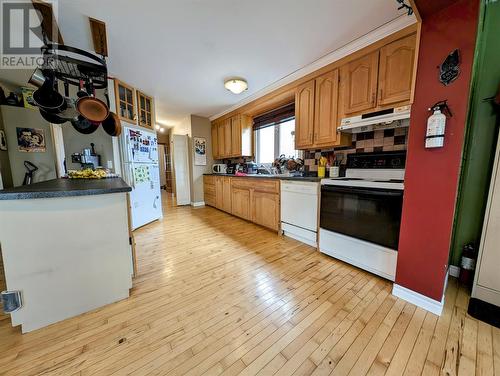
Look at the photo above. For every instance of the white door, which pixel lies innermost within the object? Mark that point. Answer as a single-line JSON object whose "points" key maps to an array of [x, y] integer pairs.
{"points": [[162, 163], [180, 158]]}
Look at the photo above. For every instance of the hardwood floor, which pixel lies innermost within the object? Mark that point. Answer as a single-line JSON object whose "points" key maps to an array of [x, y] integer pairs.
{"points": [[216, 295]]}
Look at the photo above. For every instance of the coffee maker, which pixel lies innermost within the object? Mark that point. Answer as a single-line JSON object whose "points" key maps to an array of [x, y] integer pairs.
{"points": [[88, 158]]}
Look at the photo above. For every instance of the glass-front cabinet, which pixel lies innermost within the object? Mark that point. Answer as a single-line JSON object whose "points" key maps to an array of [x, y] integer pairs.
{"points": [[146, 109], [125, 101]]}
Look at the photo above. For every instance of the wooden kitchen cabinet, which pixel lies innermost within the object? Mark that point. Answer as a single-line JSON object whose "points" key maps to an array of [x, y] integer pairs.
{"points": [[397, 61], [233, 137], [226, 194], [227, 138], [145, 107], [304, 115], [209, 190], [241, 202], [359, 83], [266, 209], [125, 101], [326, 108], [215, 141]]}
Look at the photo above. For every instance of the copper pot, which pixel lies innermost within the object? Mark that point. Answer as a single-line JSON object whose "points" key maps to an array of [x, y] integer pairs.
{"points": [[90, 107]]}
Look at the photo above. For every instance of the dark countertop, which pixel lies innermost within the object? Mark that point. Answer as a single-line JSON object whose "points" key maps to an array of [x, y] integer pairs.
{"points": [[262, 176], [65, 188]]}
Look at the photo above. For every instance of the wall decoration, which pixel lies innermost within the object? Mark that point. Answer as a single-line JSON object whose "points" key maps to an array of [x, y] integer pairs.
{"points": [[450, 69], [30, 140], [3, 141], [142, 174], [200, 151]]}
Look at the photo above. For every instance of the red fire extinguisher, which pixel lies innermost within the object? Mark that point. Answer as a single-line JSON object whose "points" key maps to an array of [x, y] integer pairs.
{"points": [[468, 264]]}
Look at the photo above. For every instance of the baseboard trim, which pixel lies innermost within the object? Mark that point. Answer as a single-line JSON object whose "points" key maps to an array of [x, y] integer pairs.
{"points": [[454, 271], [198, 204], [419, 300]]}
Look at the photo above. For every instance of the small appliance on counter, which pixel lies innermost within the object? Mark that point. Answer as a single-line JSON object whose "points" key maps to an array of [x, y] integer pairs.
{"points": [[219, 168], [87, 158], [249, 168], [232, 168]]}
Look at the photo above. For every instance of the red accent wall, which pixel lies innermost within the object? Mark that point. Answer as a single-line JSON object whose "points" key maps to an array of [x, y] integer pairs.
{"points": [[431, 179]]}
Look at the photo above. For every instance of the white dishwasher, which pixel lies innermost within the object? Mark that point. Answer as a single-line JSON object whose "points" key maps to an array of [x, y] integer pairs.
{"points": [[299, 210]]}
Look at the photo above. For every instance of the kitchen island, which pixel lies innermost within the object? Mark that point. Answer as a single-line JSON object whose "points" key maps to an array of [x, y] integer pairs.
{"points": [[66, 247]]}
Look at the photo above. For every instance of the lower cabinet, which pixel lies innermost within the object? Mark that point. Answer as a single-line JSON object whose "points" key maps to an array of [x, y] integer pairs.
{"points": [[241, 203], [266, 209], [253, 199]]}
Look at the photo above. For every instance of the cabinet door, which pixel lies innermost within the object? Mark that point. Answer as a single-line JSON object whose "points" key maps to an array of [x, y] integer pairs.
{"points": [[125, 101], [236, 136], [145, 110], [359, 83], [219, 192], [215, 142], [304, 115], [265, 207], [227, 138], [326, 108], [221, 137], [241, 202], [226, 194], [396, 71]]}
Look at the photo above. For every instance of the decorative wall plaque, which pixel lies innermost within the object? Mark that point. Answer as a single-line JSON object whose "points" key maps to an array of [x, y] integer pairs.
{"points": [[450, 68]]}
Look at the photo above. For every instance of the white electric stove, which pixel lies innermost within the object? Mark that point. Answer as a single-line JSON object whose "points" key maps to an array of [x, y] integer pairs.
{"points": [[360, 213]]}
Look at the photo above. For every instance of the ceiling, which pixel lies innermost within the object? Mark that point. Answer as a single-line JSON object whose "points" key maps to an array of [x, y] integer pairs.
{"points": [[180, 51]]}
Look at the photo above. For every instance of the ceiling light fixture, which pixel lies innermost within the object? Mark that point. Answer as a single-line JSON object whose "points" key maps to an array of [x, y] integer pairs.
{"points": [[236, 85]]}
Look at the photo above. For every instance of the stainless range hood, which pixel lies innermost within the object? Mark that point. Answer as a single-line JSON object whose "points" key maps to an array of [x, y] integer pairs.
{"points": [[386, 119]]}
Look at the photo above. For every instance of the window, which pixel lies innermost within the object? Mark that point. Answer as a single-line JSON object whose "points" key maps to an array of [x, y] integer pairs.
{"points": [[275, 135]]}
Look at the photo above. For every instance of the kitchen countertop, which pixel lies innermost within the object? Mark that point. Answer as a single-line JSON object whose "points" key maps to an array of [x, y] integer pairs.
{"points": [[65, 188], [279, 177]]}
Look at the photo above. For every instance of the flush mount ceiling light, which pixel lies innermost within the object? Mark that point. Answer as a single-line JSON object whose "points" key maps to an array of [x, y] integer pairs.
{"points": [[236, 85]]}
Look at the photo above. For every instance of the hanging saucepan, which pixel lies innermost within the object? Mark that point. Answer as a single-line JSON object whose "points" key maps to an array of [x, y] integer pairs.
{"points": [[37, 78], [92, 108], [47, 97], [70, 112]]}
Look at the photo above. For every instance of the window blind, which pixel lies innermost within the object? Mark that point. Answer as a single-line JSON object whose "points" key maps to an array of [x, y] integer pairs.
{"points": [[274, 117]]}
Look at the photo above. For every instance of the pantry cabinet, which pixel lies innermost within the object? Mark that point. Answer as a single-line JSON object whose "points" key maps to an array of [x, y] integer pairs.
{"points": [[359, 83], [397, 61], [215, 141]]}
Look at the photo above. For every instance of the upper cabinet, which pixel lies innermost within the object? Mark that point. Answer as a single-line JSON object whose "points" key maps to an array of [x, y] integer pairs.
{"points": [[233, 137], [397, 61], [304, 115], [326, 108], [133, 106], [145, 107], [125, 101], [359, 83], [316, 113]]}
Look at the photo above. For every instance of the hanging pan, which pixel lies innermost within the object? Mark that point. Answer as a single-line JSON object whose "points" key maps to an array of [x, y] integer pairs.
{"points": [[47, 97], [90, 107], [70, 112], [112, 125]]}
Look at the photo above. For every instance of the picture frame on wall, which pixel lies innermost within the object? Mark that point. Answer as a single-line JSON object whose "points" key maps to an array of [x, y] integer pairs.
{"points": [[200, 151], [30, 140]]}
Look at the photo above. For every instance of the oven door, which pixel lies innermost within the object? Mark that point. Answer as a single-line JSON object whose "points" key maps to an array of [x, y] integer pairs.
{"points": [[369, 214]]}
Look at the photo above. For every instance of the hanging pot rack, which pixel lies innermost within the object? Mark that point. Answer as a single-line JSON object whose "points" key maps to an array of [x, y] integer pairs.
{"points": [[72, 64]]}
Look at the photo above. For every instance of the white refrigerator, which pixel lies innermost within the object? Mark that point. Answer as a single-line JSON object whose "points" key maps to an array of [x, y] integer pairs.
{"points": [[141, 171]]}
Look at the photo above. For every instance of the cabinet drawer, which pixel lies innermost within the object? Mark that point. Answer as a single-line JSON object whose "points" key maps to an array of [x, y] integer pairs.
{"points": [[271, 186]]}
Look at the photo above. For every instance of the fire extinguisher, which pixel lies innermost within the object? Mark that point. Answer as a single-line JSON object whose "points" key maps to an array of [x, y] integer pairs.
{"points": [[468, 264], [436, 125]]}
